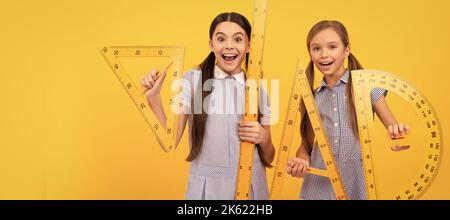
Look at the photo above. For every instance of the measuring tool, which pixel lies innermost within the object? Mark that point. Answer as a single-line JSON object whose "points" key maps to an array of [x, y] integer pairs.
{"points": [[301, 91], [363, 83], [166, 136], [254, 74]]}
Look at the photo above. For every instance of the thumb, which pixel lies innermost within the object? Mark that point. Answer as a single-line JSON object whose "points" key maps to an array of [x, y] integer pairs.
{"points": [[161, 78]]}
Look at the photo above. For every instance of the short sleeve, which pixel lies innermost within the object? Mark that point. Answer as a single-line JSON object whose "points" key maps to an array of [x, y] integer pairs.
{"points": [[376, 94], [264, 106]]}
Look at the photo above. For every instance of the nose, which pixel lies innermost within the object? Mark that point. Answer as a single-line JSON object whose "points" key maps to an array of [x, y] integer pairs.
{"points": [[324, 53], [229, 44]]}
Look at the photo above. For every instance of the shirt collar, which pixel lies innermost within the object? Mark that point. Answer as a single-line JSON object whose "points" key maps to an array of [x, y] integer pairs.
{"points": [[343, 79], [220, 74]]}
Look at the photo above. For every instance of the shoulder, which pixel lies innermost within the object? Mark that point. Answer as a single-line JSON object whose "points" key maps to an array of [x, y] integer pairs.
{"points": [[193, 72]]}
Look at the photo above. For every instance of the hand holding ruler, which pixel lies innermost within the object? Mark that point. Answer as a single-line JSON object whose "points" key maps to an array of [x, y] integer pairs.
{"points": [[166, 135]]}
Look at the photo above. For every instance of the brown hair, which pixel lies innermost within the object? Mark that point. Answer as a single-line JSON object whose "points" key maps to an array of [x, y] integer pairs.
{"points": [[353, 64], [207, 68]]}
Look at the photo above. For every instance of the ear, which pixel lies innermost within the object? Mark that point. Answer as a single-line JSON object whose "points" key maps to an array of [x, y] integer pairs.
{"points": [[210, 45], [347, 51], [248, 48]]}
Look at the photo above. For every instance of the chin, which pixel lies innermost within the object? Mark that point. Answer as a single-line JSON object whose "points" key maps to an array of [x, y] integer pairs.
{"points": [[229, 68], [326, 72]]}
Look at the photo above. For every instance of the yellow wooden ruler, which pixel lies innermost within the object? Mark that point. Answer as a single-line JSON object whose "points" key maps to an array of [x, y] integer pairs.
{"points": [[302, 92], [166, 137], [243, 181], [363, 83]]}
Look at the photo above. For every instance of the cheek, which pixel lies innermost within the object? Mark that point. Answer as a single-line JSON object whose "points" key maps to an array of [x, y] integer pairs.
{"points": [[217, 45], [314, 57], [243, 48], [339, 54], [340, 57]]}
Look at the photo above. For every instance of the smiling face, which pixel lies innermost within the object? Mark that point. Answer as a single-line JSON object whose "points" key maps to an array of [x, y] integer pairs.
{"points": [[328, 53], [230, 45]]}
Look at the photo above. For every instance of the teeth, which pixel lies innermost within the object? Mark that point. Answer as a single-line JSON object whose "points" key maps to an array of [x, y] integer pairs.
{"points": [[229, 57]]}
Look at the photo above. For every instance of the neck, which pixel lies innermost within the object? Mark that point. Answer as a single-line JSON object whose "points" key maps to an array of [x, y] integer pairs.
{"points": [[332, 79], [235, 71]]}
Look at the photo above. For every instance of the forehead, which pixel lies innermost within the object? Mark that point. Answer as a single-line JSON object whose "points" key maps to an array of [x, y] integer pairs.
{"points": [[326, 36], [229, 28]]}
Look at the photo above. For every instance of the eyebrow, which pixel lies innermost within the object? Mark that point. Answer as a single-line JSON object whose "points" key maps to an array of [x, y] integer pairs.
{"points": [[316, 44], [238, 33]]}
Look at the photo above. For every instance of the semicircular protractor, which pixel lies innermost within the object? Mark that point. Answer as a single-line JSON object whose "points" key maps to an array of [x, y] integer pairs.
{"points": [[390, 174]]}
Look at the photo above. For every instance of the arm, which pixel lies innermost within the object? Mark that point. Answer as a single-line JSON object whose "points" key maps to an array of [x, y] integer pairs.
{"points": [[267, 145], [298, 166], [302, 153], [383, 112], [152, 84], [395, 129], [157, 108], [182, 120]]}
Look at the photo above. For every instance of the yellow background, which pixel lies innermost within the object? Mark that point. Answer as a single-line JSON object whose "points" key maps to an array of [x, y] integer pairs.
{"points": [[68, 130]]}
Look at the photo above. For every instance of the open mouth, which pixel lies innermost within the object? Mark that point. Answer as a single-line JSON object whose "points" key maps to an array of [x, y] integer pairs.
{"points": [[327, 63], [229, 57]]}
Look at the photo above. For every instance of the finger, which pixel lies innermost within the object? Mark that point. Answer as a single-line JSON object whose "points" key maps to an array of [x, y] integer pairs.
{"points": [[147, 83], [153, 73], [246, 129], [304, 170], [294, 170], [401, 130], [161, 77], [248, 134], [164, 70], [400, 148], [301, 167], [248, 123], [247, 139], [390, 131], [252, 140], [395, 129], [143, 83], [290, 162], [289, 167], [298, 171], [151, 81], [406, 129]]}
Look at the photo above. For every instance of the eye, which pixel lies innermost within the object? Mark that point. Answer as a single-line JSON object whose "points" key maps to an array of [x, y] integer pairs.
{"points": [[315, 49], [333, 46], [220, 39], [238, 39]]}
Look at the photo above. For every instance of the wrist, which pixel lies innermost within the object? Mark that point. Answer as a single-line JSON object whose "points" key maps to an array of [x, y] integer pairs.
{"points": [[304, 158], [265, 140]]}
